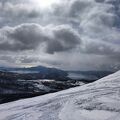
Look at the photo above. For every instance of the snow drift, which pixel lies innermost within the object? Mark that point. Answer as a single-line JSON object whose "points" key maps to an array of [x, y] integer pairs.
{"points": [[95, 101]]}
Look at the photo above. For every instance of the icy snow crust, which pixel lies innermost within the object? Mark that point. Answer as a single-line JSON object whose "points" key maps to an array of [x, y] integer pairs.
{"points": [[96, 101]]}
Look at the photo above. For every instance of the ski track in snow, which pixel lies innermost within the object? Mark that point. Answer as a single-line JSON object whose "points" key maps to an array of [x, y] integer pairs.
{"points": [[95, 101]]}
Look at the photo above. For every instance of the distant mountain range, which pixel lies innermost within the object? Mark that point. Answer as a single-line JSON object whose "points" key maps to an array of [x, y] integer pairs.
{"points": [[37, 69], [88, 75], [38, 72], [42, 72]]}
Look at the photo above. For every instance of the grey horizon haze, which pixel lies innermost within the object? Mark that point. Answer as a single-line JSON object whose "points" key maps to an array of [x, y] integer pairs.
{"points": [[67, 34]]}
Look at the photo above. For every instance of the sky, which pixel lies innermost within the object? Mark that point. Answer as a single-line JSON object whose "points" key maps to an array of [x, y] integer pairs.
{"points": [[67, 34]]}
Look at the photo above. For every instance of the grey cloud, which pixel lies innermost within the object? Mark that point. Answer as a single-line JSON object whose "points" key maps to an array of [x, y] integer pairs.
{"points": [[7, 58], [21, 10], [23, 37], [99, 0], [78, 7], [73, 13], [89, 27], [32, 36], [101, 48], [29, 60], [65, 38]]}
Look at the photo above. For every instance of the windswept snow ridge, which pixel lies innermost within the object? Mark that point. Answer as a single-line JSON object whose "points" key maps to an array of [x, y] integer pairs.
{"points": [[96, 101]]}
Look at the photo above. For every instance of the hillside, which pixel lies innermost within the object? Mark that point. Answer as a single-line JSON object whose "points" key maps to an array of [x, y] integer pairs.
{"points": [[32, 73], [95, 101]]}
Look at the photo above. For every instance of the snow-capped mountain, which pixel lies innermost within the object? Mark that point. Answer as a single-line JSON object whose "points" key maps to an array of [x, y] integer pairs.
{"points": [[95, 101]]}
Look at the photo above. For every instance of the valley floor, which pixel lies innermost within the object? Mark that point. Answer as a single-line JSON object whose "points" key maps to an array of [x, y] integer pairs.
{"points": [[95, 101]]}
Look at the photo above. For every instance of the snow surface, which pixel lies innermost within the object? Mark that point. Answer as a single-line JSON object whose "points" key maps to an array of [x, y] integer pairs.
{"points": [[95, 101]]}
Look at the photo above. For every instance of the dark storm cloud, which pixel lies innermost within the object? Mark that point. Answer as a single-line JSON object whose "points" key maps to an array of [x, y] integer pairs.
{"points": [[32, 36], [65, 38], [23, 37]]}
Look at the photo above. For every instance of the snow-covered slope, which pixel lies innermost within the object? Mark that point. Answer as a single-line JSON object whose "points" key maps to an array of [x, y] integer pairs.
{"points": [[96, 101]]}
